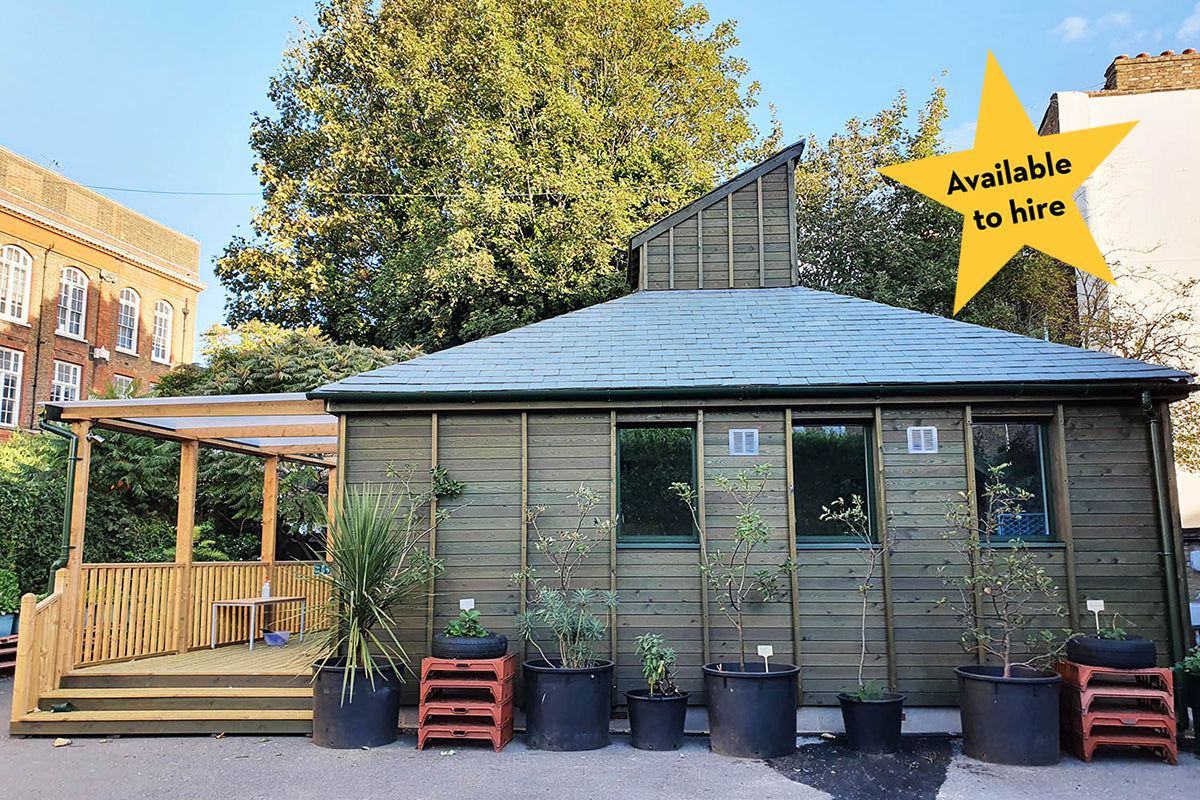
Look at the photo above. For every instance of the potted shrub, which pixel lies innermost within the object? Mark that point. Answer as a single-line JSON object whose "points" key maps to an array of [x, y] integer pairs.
{"points": [[656, 714], [1112, 646], [751, 706], [1009, 708], [466, 638], [872, 716], [1188, 671], [568, 695], [10, 602], [376, 561]]}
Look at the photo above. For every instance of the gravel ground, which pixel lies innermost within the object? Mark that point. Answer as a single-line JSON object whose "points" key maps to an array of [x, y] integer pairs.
{"points": [[181, 768]]}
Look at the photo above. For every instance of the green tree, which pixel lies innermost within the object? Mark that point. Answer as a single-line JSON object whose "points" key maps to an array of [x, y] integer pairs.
{"points": [[440, 170], [863, 235]]}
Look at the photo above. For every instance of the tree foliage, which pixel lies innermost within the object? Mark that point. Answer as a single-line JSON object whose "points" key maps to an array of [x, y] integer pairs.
{"points": [[436, 171], [863, 235]]}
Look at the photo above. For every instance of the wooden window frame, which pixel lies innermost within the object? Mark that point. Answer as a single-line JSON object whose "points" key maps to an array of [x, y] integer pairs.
{"points": [[14, 266], [870, 474], [18, 357], [55, 383], [136, 313], [666, 542], [69, 288], [1043, 424]]}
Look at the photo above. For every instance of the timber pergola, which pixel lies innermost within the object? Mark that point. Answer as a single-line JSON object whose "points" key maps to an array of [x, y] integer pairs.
{"points": [[274, 427]]}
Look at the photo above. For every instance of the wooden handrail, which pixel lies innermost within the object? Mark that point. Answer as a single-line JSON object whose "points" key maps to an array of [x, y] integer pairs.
{"points": [[37, 668]]}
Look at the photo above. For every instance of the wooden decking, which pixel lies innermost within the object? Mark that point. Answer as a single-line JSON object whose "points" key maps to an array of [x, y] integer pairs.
{"points": [[295, 658], [227, 690]]}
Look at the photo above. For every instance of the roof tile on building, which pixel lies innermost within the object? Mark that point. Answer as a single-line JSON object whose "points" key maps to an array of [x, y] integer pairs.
{"points": [[742, 339]]}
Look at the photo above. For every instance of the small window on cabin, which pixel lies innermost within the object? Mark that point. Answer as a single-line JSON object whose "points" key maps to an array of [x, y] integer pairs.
{"points": [[649, 460], [1020, 446], [828, 462]]}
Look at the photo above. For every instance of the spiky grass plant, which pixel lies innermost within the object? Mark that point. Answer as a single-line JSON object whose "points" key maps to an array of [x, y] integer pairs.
{"points": [[377, 559]]}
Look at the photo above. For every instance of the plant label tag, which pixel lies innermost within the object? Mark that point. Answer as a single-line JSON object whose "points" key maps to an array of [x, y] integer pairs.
{"points": [[1095, 606], [766, 650], [467, 603]]}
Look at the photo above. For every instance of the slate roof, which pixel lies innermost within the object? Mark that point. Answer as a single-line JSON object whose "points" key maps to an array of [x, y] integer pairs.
{"points": [[740, 341]]}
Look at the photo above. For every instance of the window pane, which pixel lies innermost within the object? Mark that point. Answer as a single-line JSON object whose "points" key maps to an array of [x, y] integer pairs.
{"points": [[829, 461], [1018, 444], [651, 459]]}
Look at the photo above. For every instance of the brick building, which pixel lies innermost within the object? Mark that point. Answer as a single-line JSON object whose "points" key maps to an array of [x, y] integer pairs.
{"points": [[92, 294]]}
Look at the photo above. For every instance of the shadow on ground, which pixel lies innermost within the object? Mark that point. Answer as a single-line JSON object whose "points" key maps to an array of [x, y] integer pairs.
{"points": [[915, 773]]}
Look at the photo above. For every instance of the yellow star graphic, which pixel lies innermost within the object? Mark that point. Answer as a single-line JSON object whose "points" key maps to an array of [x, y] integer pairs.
{"points": [[1014, 188]]}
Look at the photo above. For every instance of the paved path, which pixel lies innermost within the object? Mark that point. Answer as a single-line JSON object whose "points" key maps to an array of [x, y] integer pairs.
{"points": [[181, 768]]}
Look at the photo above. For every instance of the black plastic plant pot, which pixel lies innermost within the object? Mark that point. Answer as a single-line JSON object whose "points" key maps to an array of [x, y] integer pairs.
{"points": [[1009, 720], [494, 645], [873, 726], [369, 717], [751, 711], [567, 709], [656, 722]]}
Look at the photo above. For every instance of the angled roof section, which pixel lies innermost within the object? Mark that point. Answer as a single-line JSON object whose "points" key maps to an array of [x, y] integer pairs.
{"points": [[787, 155], [735, 343]]}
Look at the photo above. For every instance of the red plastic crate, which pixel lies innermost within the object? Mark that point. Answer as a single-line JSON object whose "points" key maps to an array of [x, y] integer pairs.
{"points": [[1084, 747], [1084, 699], [8, 652], [447, 711], [497, 735], [1082, 676], [501, 668], [445, 688]]}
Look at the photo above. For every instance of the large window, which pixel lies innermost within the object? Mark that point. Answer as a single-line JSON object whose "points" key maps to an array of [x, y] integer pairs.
{"points": [[828, 462], [64, 385], [10, 386], [161, 346], [649, 461], [14, 283], [127, 321], [123, 385], [1020, 445], [72, 303]]}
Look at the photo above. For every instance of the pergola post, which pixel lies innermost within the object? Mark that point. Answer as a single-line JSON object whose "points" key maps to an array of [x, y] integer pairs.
{"points": [[331, 509], [189, 457], [72, 594], [270, 513]]}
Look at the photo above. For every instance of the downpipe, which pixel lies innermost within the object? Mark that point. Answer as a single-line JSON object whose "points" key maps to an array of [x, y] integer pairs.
{"points": [[72, 459], [1166, 536]]}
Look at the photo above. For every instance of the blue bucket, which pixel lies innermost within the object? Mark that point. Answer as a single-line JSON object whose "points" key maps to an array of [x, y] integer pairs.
{"points": [[276, 638]]}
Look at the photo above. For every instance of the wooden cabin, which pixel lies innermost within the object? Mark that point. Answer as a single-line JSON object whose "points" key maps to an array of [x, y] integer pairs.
{"points": [[720, 362]]}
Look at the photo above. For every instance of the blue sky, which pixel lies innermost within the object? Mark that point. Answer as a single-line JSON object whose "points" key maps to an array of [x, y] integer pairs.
{"points": [[158, 95]]}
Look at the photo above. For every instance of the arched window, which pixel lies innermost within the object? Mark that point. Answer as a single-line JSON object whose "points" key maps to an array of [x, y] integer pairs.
{"points": [[127, 321], [161, 349], [72, 303], [14, 283]]}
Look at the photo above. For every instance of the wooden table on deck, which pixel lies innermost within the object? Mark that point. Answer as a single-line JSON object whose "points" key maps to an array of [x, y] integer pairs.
{"points": [[255, 603]]}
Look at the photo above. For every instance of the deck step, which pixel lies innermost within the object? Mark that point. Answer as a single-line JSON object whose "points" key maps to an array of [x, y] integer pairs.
{"points": [[99, 680], [147, 698], [164, 721]]}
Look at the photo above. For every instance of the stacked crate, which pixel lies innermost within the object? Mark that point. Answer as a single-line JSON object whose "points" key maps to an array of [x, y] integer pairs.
{"points": [[467, 700], [1103, 707]]}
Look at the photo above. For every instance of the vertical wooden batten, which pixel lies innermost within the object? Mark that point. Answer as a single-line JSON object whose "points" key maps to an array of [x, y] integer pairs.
{"points": [[1061, 499], [793, 266], [705, 634], [762, 259], [889, 610], [72, 614], [729, 237], [671, 258], [969, 457], [700, 249], [331, 504], [433, 463], [790, 500], [612, 537], [189, 456], [642, 278], [525, 515]]}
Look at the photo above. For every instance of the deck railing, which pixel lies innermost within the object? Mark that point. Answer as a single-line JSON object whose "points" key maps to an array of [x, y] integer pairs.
{"points": [[129, 611], [38, 667]]}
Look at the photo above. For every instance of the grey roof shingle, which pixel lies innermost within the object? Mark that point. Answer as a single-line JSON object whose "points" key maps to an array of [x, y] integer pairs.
{"points": [[742, 339]]}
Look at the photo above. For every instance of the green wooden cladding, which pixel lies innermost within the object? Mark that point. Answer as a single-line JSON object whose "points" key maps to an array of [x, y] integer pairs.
{"points": [[1113, 525]]}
